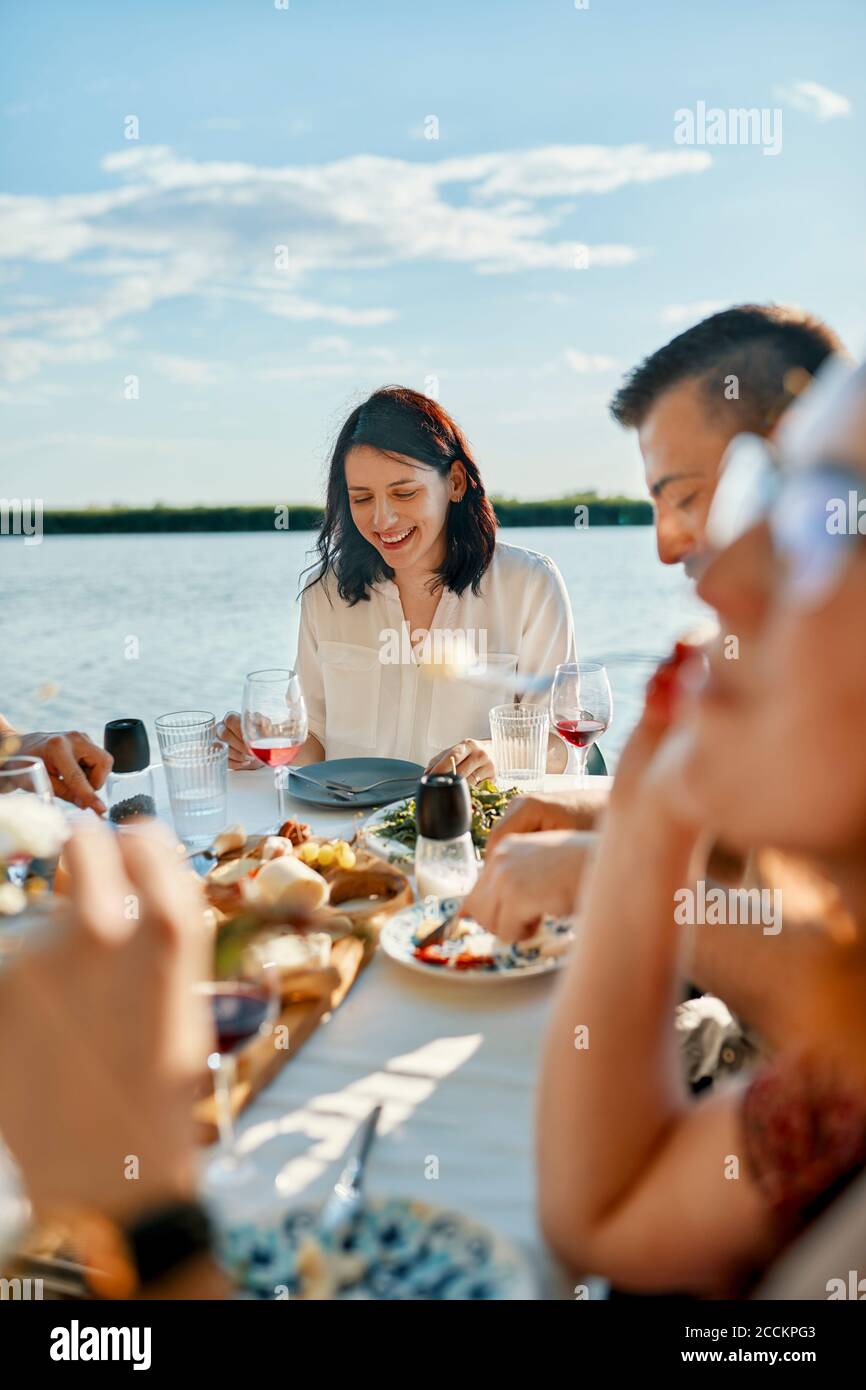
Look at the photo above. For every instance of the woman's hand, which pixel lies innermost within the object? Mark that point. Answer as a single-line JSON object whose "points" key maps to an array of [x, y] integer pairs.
{"points": [[229, 730], [472, 758], [242, 760], [526, 878]]}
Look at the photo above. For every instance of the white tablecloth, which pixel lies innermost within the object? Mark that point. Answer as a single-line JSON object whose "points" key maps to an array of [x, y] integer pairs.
{"points": [[454, 1066]]}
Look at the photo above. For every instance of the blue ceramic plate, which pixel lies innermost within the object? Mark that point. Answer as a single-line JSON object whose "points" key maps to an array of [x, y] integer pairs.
{"points": [[307, 784], [396, 1249], [397, 940]]}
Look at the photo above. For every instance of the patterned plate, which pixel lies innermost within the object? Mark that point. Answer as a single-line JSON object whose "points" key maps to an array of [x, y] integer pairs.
{"points": [[397, 939], [395, 1249]]}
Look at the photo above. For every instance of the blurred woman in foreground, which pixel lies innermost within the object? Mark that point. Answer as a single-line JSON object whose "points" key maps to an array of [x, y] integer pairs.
{"points": [[636, 1183]]}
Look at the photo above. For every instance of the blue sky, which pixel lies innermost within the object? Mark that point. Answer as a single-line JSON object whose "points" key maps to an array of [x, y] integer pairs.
{"points": [[449, 264]]}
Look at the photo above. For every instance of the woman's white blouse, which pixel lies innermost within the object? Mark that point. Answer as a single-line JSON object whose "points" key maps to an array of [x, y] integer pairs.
{"points": [[368, 693]]}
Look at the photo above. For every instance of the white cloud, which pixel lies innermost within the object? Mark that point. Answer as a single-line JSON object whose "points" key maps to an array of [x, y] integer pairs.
{"points": [[557, 171], [678, 315], [22, 357], [174, 227], [586, 362], [351, 361], [816, 100]]}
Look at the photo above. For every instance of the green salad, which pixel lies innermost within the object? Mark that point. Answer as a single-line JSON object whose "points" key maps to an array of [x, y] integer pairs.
{"points": [[488, 804]]}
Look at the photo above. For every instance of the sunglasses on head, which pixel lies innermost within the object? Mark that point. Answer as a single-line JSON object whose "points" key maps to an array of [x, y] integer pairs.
{"points": [[816, 515]]}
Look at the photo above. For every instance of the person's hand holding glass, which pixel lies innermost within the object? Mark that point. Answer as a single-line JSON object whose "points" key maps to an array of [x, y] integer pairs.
{"points": [[274, 719]]}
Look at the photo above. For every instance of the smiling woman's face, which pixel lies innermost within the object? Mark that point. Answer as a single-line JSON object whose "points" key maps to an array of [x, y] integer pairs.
{"points": [[775, 742], [401, 506]]}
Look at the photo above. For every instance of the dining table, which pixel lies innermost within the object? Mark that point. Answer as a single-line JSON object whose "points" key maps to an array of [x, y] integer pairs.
{"points": [[453, 1064]]}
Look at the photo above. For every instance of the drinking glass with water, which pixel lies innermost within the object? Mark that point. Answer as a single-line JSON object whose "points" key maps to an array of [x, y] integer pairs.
{"points": [[520, 737], [196, 774]]}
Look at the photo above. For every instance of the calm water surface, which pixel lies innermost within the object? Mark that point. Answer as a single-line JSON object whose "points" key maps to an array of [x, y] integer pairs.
{"points": [[139, 625]]}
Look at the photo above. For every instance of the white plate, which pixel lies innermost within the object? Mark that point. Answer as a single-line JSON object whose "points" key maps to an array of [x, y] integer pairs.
{"points": [[397, 940], [383, 845], [378, 843]]}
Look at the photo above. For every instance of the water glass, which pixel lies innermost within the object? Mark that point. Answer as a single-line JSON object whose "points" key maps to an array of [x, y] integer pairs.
{"points": [[197, 776], [25, 774], [21, 774], [185, 727], [520, 738]]}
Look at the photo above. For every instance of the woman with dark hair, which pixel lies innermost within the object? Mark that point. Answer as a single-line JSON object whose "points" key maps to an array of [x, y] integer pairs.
{"points": [[411, 589]]}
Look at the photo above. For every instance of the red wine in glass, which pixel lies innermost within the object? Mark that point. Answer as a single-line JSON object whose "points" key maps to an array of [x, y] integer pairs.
{"points": [[581, 706], [582, 732], [239, 1012], [275, 752]]}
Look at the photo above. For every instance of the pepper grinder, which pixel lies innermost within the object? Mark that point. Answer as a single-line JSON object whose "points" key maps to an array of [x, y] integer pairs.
{"points": [[445, 862], [130, 792]]}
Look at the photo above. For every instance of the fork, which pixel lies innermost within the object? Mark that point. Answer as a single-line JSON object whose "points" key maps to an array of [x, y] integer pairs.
{"points": [[348, 790]]}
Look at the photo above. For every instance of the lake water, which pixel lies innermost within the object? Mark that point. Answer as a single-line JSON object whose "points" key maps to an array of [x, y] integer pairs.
{"points": [[97, 627]]}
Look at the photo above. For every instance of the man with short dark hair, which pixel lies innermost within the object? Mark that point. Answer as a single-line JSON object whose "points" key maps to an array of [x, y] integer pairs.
{"points": [[737, 370]]}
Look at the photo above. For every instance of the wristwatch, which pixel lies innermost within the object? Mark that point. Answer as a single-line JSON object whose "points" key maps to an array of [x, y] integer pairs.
{"points": [[120, 1261]]}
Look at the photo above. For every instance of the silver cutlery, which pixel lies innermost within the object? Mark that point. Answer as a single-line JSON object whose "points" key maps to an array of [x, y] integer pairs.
{"points": [[439, 933], [347, 789], [293, 772], [346, 1200]]}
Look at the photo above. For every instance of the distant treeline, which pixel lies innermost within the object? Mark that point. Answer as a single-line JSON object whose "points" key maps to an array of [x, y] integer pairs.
{"points": [[561, 511]]}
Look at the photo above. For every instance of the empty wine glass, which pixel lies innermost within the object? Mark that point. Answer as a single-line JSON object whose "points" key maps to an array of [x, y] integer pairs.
{"points": [[274, 719], [581, 706]]}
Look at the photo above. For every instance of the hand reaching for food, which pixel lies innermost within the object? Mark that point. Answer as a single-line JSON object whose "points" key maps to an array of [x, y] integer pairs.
{"points": [[525, 879], [528, 814]]}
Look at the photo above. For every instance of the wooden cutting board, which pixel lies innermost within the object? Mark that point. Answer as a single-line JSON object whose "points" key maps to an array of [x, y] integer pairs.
{"points": [[260, 1060]]}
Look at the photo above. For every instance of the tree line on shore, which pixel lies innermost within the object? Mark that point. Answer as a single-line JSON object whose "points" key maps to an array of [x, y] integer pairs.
{"points": [[580, 509]]}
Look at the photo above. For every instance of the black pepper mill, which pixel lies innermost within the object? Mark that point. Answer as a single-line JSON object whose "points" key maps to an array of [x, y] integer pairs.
{"points": [[129, 789]]}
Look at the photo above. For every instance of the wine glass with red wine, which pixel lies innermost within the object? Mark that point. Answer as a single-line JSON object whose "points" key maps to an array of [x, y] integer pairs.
{"points": [[274, 719], [244, 1005], [581, 706]]}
